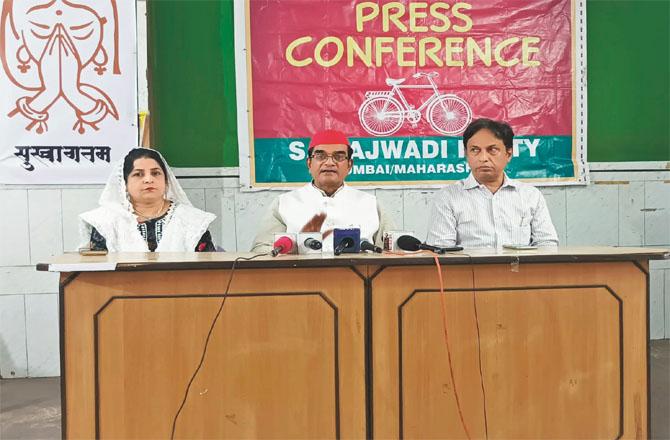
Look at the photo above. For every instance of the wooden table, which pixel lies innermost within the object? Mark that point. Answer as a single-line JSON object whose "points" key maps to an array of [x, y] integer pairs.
{"points": [[551, 343]]}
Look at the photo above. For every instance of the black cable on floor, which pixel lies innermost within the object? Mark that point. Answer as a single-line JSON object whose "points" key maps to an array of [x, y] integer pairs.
{"points": [[209, 335]]}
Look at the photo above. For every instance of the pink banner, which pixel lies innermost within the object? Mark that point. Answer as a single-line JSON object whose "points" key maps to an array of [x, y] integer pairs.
{"points": [[408, 69]]}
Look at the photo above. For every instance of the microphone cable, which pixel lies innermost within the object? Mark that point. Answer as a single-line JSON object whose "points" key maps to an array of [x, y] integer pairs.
{"points": [[446, 335], [446, 340], [479, 343], [443, 309], [445, 332], [209, 335]]}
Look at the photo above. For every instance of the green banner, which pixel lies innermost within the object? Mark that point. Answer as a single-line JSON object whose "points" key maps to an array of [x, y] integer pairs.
{"points": [[402, 159]]}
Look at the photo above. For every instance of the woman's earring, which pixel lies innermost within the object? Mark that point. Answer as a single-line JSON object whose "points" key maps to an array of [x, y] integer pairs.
{"points": [[100, 60], [24, 58]]}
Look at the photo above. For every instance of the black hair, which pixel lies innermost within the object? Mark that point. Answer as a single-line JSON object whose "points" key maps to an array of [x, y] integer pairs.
{"points": [[501, 130], [139, 153]]}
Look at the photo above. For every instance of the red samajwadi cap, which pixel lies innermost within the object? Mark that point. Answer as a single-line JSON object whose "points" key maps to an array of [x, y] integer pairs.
{"points": [[328, 137]]}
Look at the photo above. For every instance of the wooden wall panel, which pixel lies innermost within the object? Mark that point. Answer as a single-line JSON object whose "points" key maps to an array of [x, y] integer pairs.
{"points": [[559, 347], [284, 358]]}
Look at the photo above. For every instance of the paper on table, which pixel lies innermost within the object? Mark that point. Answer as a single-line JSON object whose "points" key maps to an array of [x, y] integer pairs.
{"points": [[104, 266]]}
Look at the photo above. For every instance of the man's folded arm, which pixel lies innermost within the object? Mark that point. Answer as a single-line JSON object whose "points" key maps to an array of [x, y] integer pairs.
{"points": [[542, 231], [442, 223]]}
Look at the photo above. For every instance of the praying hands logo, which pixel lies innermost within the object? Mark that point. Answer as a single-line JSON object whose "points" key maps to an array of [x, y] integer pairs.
{"points": [[47, 47]]}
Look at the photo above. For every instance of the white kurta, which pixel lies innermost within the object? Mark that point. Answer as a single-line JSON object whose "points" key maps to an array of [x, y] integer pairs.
{"points": [[346, 208], [119, 227]]}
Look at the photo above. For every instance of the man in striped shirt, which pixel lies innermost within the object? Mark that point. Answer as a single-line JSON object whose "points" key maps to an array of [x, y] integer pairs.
{"points": [[488, 209]]}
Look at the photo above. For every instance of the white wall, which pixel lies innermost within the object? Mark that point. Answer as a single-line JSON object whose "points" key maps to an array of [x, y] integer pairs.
{"points": [[618, 209]]}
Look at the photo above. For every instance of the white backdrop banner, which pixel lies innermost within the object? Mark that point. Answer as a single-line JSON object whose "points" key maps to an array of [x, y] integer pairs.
{"points": [[68, 89]]}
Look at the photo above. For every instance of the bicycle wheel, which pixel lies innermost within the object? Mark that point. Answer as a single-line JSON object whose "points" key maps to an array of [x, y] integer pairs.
{"points": [[381, 115], [449, 114]]}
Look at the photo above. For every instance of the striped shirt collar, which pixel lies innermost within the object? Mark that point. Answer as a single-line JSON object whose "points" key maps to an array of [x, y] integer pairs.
{"points": [[470, 182]]}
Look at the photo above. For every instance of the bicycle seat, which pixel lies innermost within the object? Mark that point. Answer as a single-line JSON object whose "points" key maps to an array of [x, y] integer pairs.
{"points": [[428, 75], [394, 82]]}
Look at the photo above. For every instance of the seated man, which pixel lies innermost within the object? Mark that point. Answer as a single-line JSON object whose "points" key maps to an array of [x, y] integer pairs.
{"points": [[326, 202], [488, 209]]}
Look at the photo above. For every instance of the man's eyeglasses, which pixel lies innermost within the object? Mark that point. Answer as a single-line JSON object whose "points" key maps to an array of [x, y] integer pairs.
{"points": [[321, 156]]}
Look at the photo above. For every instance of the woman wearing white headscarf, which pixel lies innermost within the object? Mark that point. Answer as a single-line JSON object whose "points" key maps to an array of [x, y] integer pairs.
{"points": [[144, 209]]}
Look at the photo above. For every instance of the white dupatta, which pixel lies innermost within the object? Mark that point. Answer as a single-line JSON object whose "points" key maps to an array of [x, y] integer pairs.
{"points": [[114, 218]]}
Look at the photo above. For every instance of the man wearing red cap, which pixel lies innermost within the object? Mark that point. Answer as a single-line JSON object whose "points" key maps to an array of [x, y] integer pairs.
{"points": [[326, 202]]}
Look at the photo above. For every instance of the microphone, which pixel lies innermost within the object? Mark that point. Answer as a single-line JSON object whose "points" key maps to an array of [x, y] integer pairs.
{"points": [[409, 243], [312, 243], [345, 243], [282, 245], [390, 239], [367, 246], [309, 243], [346, 240]]}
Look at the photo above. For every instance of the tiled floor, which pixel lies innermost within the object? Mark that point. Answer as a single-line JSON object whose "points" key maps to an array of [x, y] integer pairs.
{"points": [[660, 389], [30, 408]]}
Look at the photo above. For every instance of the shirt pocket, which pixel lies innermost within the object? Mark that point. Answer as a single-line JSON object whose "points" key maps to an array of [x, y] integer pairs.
{"points": [[521, 227], [521, 234], [522, 216]]}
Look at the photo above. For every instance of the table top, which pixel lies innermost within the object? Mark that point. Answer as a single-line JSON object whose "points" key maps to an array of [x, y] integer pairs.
{"points": [[139, 261]]}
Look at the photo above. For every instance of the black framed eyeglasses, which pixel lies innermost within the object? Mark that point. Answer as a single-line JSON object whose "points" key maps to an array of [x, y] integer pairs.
{"points": [[322, 156]]}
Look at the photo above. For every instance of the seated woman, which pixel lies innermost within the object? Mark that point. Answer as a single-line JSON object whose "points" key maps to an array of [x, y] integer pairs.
{"points": [[143, 208]]}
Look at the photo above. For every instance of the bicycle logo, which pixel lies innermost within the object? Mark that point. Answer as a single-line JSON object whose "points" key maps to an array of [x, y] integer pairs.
{"points": [[383, 112]]}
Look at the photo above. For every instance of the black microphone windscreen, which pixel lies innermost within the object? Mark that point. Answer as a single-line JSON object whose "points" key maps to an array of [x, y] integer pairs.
{"points": [[313, 243], [367, 246], [345, 243], [409, 243]]}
